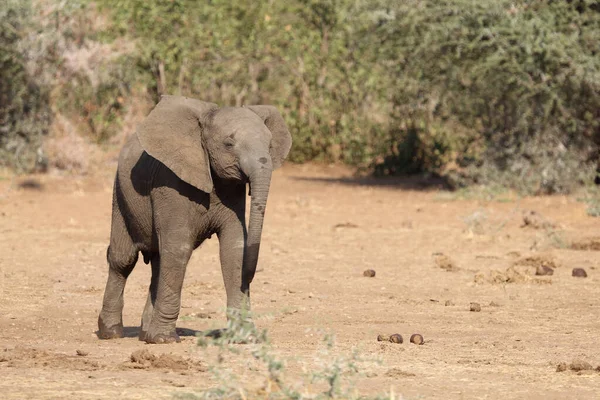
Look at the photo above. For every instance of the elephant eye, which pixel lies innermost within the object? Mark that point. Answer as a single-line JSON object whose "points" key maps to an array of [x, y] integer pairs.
{"points": [[229, 143]]}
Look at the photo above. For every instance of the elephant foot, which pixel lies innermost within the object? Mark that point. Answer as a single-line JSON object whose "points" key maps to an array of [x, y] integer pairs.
{"points": [[160, 338], [142, 335], [109, 332]]}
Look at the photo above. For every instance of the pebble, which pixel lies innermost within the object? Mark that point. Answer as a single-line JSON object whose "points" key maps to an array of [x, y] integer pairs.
{"points": [[543, 270], [396, 338], [417, 339], [579, 273]]}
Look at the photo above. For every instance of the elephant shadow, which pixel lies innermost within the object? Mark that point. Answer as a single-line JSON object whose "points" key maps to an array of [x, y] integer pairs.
{"points": [[134, 332]]}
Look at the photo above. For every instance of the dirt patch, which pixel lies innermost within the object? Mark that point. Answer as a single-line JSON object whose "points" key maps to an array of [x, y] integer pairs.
{"points": [[53, 272], [144, 359], [576, 365], [444, 262], [534, 220], [588, 245], [398, 373], [24, 357], [537, 261], [512, 274]]}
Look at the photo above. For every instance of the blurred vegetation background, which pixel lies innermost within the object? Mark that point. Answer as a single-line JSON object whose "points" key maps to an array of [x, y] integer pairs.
{"points": [[503, 92]]}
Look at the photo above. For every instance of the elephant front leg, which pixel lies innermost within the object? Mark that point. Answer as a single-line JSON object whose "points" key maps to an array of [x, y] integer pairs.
{"points": [[237, 279], [167, 303], [237, 285], [231, 251]]}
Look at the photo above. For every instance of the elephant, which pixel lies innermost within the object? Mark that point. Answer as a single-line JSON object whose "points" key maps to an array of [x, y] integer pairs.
{"points": [[180, 179]]}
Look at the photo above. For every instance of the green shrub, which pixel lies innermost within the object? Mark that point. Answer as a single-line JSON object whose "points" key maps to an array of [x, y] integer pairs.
{"points": [[476, 91], [303, 56], [331, 375], [24, 111], [520, 77]]}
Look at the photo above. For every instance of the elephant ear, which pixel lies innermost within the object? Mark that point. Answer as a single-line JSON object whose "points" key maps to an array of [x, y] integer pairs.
{"points": [[172, 133], [282, 140]]}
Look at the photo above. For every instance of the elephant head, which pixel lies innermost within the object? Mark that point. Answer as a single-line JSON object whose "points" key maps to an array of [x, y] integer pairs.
{"points": [[196, 139]]}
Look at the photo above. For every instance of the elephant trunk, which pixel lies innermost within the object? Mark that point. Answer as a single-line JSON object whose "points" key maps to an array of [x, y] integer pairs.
{"points": [[260, 181]]}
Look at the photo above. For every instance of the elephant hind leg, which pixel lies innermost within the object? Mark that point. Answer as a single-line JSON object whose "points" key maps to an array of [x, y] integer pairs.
{"points": [[122, 256], [151, 299], [168, 268]]}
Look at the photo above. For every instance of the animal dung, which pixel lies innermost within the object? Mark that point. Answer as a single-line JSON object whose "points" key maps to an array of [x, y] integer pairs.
{"points": [[370, 273], [580, 365], [576, 366], [561, 367], [416, 339], [396, 338], [543, 270], [532, 219], [579, 273], [444, 262], [381, 338], [475, 307]]}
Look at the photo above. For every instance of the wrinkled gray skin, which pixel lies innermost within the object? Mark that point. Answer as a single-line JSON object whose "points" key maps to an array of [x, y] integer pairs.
{"points": [[180, 179]]}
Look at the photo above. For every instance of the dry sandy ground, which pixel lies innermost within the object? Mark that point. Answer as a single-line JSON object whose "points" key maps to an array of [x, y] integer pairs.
{"points": [[433, 254]]}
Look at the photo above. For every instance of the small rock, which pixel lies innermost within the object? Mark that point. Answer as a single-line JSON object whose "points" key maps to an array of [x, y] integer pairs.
{"points": [[579, 273], [381, 338], [580, 365], [82, 353], [543, 270], [561, 367], [396, 338], [370, 273], [449, 303], [475, 307], [416, 339]]}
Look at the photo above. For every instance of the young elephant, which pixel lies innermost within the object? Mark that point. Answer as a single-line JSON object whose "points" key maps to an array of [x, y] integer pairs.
{"points": [[180, 179]]}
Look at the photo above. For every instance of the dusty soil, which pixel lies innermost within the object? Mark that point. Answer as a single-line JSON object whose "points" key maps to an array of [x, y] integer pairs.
{"points": [[434, 254]]}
